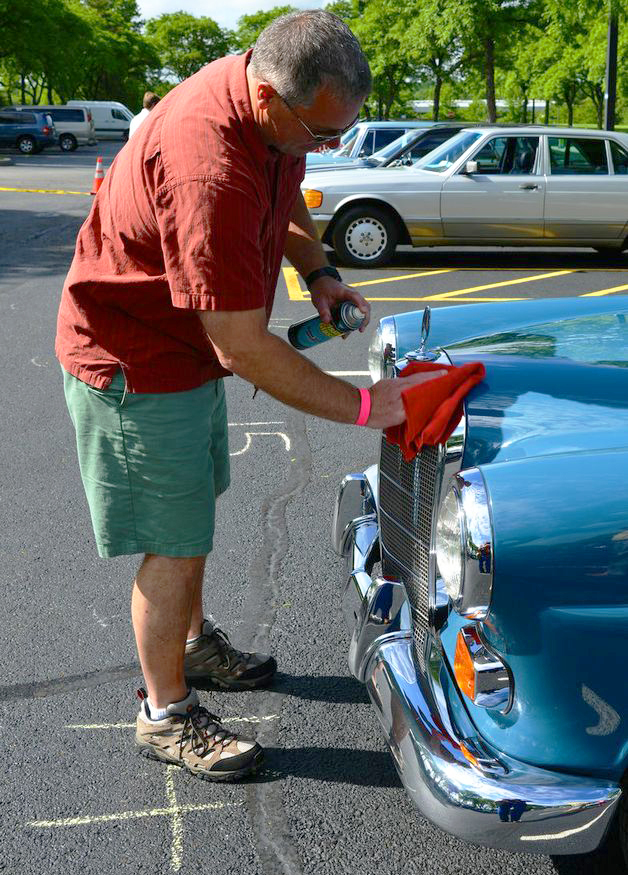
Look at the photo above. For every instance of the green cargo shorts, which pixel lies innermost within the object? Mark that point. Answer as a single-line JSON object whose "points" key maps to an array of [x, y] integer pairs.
{"points": [[152, 465]]}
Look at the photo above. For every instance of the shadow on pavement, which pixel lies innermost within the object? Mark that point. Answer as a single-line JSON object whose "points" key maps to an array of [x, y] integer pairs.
{"points": [[504, 259], [340, 765]]}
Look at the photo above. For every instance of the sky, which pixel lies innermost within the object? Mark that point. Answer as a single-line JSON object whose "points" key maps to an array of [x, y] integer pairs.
{"points": [[224, 13]]}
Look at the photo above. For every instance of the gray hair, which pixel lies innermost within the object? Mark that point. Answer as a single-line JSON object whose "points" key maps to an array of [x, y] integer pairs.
{"points": [[304, 51]]}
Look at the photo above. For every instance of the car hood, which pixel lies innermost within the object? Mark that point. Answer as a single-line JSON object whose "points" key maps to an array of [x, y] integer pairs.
{"points": [[553, 385], [356, 178]]}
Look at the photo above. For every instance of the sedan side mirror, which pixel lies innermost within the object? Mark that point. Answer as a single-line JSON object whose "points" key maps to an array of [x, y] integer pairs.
{"points": [[471, 167]]}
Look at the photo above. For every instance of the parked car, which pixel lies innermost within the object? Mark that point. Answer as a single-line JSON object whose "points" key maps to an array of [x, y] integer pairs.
{"points": [[491, 640], [30, 132], [111, 118], [532, 186], [74, 125], [364, 138], [403, 151]]}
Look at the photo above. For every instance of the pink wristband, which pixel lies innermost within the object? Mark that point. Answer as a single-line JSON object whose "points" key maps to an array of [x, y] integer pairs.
{"points": [[365, 407]]}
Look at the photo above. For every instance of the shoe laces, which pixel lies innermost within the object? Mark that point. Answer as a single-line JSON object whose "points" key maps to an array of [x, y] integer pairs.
{"points": [[204, 730], [227, 651]]}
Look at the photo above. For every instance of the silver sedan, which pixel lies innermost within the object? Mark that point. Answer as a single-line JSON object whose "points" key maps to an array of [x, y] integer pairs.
{"points": [[519, 186]]}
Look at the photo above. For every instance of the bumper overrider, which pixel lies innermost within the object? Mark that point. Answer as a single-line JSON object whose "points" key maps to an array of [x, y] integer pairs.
{"points": [[456, 780]]}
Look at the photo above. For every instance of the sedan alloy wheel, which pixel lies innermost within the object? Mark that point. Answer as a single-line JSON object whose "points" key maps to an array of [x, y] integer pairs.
{"points": [[365, 237]]}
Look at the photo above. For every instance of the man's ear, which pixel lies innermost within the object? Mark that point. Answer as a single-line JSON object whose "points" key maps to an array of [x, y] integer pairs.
{"points": [[265, 93]]}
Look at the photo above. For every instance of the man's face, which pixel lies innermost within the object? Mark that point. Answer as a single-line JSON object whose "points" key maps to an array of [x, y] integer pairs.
{"points": [[293, 129]]}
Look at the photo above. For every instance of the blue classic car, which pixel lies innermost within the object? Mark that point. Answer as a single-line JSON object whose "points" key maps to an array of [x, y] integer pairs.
{"points": [[487, 584]]}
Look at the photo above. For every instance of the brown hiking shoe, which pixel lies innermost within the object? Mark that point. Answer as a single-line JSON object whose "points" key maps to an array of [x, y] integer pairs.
{"points": [[196, 741], [210, 658]]}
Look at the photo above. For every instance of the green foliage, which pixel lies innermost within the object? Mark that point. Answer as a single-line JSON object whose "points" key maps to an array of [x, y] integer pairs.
{"points": [[250, 26], [517, 50], [185, 43]]}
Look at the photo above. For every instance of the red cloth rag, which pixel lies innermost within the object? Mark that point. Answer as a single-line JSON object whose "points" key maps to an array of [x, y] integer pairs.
{"points": [[433, 409]]}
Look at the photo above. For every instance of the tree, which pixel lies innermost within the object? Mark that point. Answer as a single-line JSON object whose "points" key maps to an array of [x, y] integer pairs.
{"points": [[249, 27], [382, 29], [185, 43], [436, 49]]}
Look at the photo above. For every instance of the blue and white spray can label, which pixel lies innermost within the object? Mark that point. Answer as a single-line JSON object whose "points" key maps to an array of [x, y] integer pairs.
{"points": [[312, 331]]}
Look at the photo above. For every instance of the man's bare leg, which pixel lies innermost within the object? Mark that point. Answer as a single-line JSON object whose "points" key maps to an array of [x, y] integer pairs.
{"points": [[164, 593], [197, 614]]}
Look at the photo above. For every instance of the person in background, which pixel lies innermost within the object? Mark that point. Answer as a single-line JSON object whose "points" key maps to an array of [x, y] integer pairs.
{"points": [[150, 101]]}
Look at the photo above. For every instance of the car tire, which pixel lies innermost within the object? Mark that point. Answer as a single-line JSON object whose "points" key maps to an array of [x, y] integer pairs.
{"points": [[67, 143], [27, 145], [365, 236]]}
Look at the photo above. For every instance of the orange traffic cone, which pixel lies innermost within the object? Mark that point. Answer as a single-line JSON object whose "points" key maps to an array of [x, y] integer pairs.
{"points": [[98, 176]]}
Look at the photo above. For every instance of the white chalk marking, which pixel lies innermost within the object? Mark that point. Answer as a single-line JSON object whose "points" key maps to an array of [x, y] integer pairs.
{"points": [[130, 815], [176, 854], [279, 422], [249, 439], [132, 725]]}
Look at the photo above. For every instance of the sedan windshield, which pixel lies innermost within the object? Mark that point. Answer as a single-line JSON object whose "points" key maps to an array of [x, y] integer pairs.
{"points": [[396, 146], [441, 158], [347, 142]]}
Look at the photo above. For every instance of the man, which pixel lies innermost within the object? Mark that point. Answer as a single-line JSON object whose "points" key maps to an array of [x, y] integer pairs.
{"points": [[150, 102], [170, 289]]}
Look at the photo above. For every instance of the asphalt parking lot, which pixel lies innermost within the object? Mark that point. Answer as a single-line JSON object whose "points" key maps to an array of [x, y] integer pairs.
{"points": [[76, 796]]}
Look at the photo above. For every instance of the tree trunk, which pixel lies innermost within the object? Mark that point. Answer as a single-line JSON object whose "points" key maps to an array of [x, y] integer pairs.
{"points": [[547, 110], [438, 84], [491, 109], [23, 87], [524, 110], [49, 88], [569, 113]]}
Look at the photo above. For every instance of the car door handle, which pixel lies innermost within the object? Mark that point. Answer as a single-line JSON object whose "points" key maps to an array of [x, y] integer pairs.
{"points": [[529, 186]]}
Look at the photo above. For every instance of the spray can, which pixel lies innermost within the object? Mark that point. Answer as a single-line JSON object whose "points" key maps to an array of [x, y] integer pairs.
{"points": [[310, 332]]}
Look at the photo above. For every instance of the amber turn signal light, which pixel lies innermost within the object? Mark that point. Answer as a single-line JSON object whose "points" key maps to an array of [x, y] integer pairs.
{"points": [[464, 670], [312, 198]]}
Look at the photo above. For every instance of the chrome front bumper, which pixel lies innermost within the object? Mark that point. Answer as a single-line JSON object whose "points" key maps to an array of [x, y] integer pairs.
{"points": [[455, 779]]}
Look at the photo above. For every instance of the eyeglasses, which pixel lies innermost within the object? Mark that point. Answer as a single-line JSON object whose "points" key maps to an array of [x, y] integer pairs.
{"points": [[318, 138]]}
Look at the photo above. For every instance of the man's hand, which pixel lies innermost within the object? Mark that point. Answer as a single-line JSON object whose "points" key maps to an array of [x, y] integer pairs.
{"points": [[386, 404], [327, 293]]}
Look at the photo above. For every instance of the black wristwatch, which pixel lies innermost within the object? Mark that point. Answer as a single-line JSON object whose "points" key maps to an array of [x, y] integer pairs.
{"points": [[322, 271]]}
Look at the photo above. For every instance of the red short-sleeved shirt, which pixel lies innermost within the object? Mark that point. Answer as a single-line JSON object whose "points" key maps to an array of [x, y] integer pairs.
{"points": [[192, 215]]}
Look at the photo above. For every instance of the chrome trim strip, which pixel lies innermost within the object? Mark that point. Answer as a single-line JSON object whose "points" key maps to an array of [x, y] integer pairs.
{"points": [[460, 785]]}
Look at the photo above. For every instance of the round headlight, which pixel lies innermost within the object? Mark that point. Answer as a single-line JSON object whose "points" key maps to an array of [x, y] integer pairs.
{"points": [[449, 544], [464, 544]]}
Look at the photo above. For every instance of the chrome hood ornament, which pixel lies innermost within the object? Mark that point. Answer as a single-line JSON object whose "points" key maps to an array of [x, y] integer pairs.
{"points": [[421, 355]]}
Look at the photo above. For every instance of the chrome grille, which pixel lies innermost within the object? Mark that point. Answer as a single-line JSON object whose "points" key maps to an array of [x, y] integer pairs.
{"points": [[407, 491]]}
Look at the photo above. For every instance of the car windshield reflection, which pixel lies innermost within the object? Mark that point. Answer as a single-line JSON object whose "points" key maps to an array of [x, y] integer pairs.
{"points": [[440, 159]]}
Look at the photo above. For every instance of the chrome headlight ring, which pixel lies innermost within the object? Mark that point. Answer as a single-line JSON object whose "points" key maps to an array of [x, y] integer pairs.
{"points": [[383, 350], [464, 544]]}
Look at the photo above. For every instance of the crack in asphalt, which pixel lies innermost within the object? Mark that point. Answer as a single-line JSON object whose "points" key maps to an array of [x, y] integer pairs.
{"points": [[270, 825]]}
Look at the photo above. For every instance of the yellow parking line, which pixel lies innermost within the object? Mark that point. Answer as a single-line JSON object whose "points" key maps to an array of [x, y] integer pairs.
{"points": [[295, 292], [527, 279], [407, 276], [605, 292], [45, 191]]}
